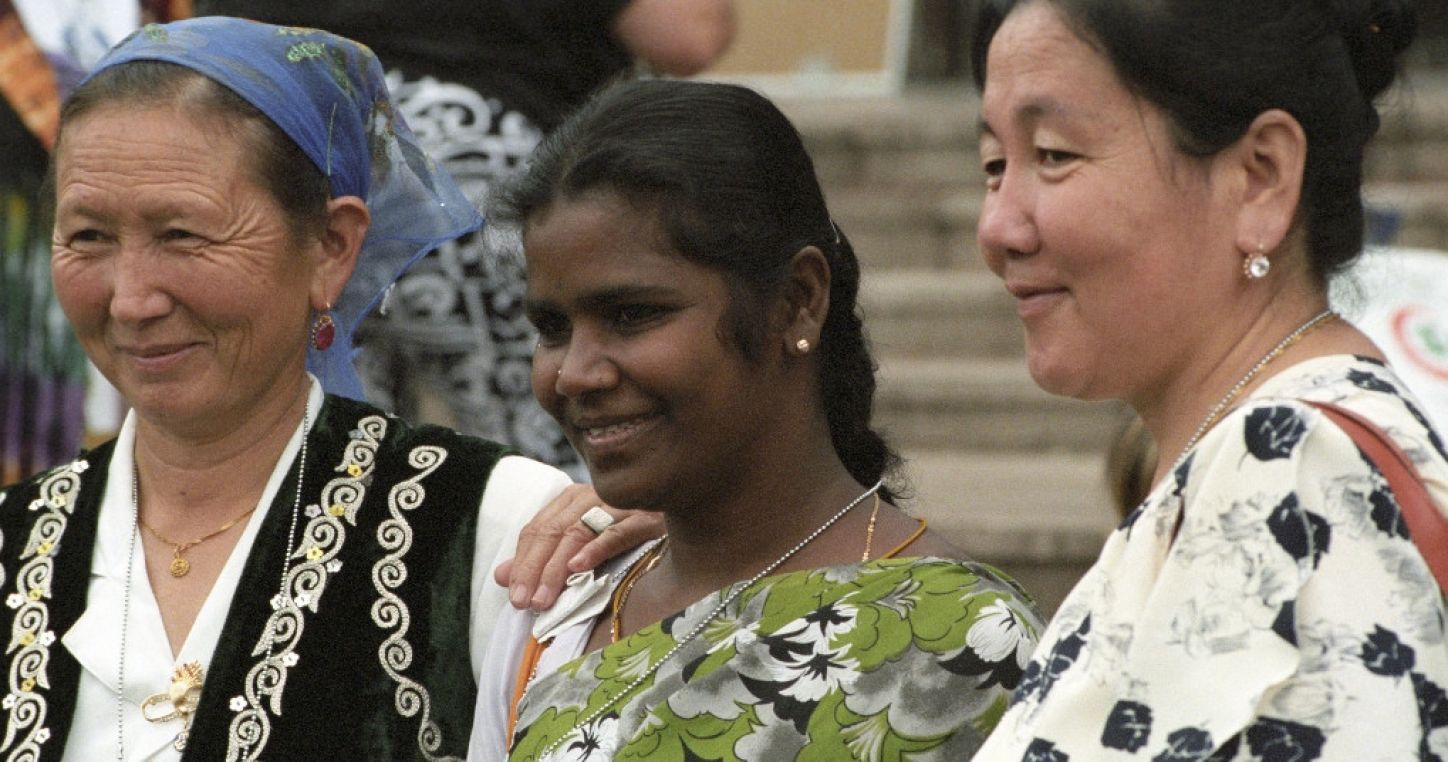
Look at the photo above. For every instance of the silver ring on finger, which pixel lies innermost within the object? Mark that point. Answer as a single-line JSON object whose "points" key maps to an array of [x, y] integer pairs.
{"points": [[597, 519]]}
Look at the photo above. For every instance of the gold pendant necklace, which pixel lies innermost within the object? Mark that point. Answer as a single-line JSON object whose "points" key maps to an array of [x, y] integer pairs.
{"points": [[179, 565], [187, 676]]}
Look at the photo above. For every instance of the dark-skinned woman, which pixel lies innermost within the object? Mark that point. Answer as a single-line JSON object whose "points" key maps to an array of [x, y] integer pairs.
{"points": [[701, 348]]}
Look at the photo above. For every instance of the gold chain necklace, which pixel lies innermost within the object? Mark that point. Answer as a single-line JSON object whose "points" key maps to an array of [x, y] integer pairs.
{"points": [[180, 567], [651, 558], [620, 596], [188, 678]]}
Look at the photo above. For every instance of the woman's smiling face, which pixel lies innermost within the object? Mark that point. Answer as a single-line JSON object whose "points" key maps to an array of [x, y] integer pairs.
{"points": [[175, 267], [1117, 246], [636, 357]]}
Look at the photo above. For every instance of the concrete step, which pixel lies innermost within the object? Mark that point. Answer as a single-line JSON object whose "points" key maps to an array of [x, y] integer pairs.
{"points": [[1041, 517], [934, 313], [916, 227], [984, 404], [1410, 159]]}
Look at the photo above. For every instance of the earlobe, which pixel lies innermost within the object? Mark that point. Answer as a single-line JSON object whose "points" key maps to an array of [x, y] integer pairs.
{"points": [[339, 248], [807, 301], [1272, 155]]}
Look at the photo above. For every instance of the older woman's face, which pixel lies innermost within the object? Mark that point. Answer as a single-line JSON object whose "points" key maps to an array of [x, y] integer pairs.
{"points": [[1098, 225], [175, 267]]}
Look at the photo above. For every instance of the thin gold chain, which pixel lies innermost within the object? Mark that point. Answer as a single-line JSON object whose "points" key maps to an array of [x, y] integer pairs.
{"points": [[181, 547], [870, 529], [1292, 338]]}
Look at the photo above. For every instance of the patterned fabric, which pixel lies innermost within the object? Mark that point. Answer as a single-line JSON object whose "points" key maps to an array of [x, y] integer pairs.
{"points": [[890, 659], [328, 95], [1291, 617], [455, 324], [364, 657]]}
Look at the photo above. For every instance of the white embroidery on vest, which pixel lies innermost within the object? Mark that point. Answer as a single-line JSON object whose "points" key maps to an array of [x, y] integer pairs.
{"points": [[389, 611], [313, 561], [30, 633]]}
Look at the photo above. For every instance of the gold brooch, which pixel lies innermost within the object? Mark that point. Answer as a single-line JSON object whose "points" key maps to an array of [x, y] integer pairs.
{"points": [[183, 695]]}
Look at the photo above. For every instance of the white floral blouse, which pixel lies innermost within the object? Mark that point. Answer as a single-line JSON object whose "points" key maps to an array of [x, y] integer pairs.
{"points": [[1291, 618]]}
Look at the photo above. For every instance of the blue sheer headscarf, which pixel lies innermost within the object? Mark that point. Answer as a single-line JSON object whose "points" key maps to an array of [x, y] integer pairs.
{"points": [[328, 95]]}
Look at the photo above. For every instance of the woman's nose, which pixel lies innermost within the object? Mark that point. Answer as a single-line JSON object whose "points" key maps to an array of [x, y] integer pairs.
{"points": [[139, 286], [1007, 225], [586, 367]]}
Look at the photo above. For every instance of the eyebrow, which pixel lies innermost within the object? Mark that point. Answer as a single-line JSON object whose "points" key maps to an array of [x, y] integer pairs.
{"points": [[604, 297]]}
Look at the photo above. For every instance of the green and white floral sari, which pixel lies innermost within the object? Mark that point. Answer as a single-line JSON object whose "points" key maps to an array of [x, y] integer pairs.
{"points": [[891, 659]]}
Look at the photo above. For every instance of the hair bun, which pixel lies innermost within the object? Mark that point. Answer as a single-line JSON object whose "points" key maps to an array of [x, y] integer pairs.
{"points": [[1377, 32]]}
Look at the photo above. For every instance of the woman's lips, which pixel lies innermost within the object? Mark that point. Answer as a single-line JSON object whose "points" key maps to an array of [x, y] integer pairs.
{"points": [[158, 358], [605, 438], [1033, 299]]}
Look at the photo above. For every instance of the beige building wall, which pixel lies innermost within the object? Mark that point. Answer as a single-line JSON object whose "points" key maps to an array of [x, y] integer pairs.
{"points": [[824, 47]]}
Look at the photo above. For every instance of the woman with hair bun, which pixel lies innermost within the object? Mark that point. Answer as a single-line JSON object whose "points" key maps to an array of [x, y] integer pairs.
{"points": [[701, 347], [1170, 185]]}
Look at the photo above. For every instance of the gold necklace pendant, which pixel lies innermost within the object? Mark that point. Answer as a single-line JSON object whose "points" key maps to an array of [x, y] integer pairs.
{"points": [[180, 567]]}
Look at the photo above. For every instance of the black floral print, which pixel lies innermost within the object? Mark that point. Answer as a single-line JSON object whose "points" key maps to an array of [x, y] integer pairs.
{"points": [[1273, 432], [1127, 727], [1282, 580], [1272, 740], [1303, 534], [1186, 745], [1042, 750]]}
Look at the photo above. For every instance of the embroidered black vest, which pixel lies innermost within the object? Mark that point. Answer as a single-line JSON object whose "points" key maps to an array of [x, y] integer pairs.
{"points": [[361, 654]]}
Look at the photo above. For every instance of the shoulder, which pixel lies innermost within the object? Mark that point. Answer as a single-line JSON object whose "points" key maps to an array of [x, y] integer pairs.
{"points": [[356, 420], [516, 479], [90, 466], [959, 586], [1282, 428]]}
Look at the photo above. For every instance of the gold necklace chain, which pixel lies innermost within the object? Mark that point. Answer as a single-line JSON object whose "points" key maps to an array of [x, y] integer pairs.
{"points": [[870, 529], [620, 596], [650, 559], [180, 567]]}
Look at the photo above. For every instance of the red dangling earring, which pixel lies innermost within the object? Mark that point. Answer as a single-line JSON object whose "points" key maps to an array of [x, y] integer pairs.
{"points": [[324, 329]]}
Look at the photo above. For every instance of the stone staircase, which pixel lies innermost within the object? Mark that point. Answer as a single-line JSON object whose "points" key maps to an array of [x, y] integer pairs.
{"points": [[1012, 475]]}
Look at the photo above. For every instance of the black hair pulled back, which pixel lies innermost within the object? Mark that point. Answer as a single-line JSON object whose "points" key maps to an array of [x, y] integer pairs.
{"points": [[734, 190], [1213, 66]]}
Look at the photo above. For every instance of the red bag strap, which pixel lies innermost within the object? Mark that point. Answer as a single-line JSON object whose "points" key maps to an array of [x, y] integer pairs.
{"points": [[1428, 527]]}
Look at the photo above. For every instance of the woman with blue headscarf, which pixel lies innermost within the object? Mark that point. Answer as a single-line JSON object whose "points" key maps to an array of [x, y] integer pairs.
{"points": [[258, 565]]}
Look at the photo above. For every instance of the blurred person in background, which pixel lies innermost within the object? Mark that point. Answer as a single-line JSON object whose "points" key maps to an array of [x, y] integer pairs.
{"points": [[481, 82]]}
